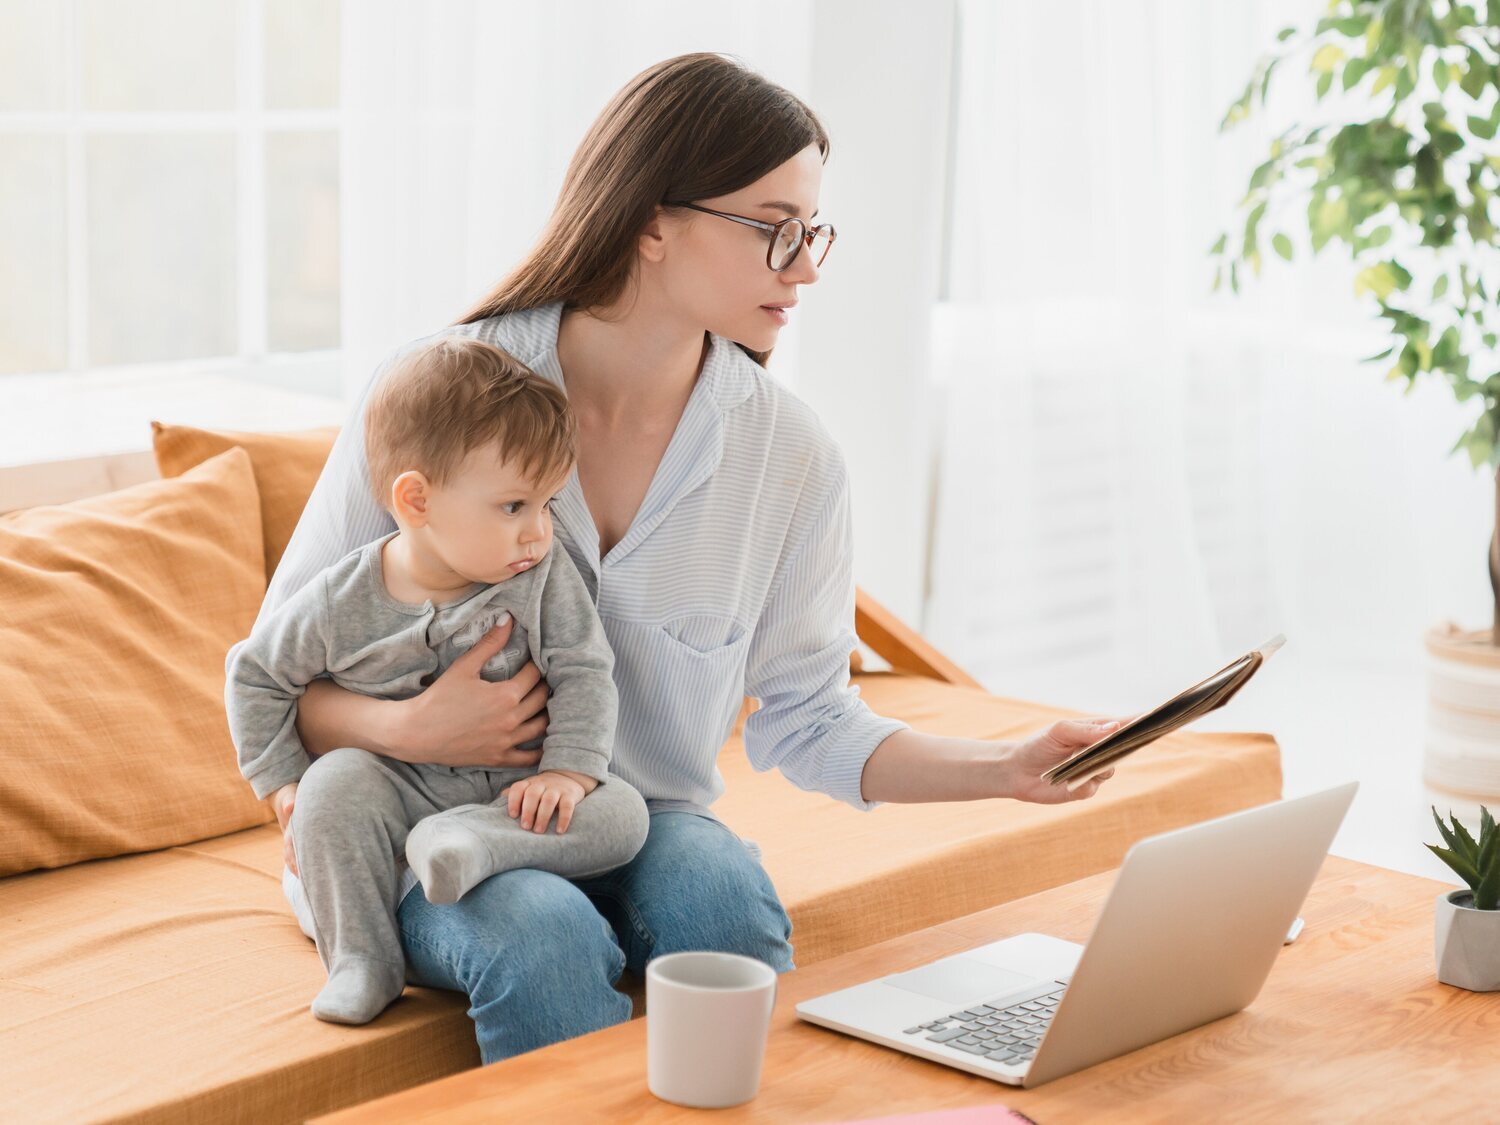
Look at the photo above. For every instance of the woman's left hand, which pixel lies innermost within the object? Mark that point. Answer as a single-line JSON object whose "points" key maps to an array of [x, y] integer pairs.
{"points": [[1026, 761]]}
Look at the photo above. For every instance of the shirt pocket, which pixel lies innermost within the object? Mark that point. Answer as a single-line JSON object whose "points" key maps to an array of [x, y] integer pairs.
{"points": [[681, 683]]}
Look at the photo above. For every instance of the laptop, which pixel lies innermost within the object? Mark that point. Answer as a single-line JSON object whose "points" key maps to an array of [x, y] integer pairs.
{"points": [[1188, 935]]}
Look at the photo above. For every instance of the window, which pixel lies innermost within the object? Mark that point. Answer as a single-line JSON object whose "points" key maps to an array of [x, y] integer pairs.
{"points": [[171, 188]]}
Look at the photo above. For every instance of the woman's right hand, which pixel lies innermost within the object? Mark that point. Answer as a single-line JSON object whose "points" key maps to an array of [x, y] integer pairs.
{"points": [[283, 802], [463, 720]]}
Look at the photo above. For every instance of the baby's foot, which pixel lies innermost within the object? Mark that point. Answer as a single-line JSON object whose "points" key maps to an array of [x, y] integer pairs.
{"points": [[358, 990], [448, 858]]}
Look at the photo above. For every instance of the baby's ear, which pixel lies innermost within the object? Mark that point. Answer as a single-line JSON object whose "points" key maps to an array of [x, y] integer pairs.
{"points": [[410, 495]]}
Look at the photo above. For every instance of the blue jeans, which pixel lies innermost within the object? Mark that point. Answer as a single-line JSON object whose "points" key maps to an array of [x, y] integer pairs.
{"points": [[538, 955]]}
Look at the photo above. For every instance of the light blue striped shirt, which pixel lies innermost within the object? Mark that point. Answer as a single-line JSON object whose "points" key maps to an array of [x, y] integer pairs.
{"points": [[734, 579]]}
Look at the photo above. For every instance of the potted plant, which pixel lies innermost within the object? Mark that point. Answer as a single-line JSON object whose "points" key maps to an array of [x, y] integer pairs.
{"points": [[1468, 922], [1401, 172]]}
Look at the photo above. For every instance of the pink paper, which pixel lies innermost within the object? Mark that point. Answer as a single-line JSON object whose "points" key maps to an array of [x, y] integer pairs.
{"points": [[993, 1114]]}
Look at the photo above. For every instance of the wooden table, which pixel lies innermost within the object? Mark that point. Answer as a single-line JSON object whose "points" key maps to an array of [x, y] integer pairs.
{"points": [[1351, 1025]]}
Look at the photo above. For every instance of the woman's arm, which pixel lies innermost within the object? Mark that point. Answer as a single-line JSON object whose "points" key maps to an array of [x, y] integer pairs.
{"points": [[461, 720], [910, 766], [812, 724]]}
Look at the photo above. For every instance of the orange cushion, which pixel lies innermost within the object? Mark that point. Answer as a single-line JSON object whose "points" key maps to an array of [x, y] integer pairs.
{"points": [[286, 468], [118, 612]]}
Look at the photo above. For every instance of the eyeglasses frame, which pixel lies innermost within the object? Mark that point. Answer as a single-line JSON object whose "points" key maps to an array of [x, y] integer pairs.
{"points": [[810, 232]]}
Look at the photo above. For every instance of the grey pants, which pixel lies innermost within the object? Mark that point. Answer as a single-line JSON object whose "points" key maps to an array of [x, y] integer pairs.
{"points": [[354, 810]]}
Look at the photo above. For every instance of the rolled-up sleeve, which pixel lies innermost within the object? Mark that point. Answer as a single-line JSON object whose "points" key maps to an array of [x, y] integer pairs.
{"points": [[812, 723]]}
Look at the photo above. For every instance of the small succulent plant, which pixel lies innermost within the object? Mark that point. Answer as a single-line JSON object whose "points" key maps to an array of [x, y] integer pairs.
{"points": [[1477, 862]]}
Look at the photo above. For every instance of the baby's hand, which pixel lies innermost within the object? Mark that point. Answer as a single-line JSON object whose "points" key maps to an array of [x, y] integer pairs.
{"points": [[535, 798]]}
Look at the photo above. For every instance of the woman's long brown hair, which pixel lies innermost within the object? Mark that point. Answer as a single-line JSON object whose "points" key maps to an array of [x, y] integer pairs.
{"points": [[692, 127]]}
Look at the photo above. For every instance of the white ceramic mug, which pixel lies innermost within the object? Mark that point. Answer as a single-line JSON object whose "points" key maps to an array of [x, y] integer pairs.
{"points": [[707, 1016]]}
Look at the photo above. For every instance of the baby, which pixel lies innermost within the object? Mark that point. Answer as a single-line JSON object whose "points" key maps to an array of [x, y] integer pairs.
{"points": [[466, 449]]}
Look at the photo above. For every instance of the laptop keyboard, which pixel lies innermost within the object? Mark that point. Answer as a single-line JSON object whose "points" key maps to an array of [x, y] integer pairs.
{"points": [[1007, 1034]]}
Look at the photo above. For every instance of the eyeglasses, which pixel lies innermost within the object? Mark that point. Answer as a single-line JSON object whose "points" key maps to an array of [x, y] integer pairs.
{"points": [[786, 237]]}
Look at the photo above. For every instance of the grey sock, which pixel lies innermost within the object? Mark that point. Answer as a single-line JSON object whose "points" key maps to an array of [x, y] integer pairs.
{"points": [[358, 990], [449, 859]]}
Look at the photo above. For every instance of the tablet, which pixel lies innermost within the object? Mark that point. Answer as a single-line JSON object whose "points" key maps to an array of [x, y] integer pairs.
{"points": [[1198, 700]]}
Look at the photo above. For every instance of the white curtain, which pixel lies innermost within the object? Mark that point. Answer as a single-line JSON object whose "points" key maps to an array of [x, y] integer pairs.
{"points": [[1140, 480]]}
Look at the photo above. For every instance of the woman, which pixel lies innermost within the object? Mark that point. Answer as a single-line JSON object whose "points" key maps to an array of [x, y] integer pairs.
{"points": [[710, 519]]}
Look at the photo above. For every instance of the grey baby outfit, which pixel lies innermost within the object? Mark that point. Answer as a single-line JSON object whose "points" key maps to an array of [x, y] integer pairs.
{"points": [[356, 812]]}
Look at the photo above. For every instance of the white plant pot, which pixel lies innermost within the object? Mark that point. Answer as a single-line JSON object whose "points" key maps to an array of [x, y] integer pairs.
{"points": [[1467, 943], [1462, 752]]}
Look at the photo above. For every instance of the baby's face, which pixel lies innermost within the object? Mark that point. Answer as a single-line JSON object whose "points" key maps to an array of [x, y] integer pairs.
{"points": [[489, 522]]}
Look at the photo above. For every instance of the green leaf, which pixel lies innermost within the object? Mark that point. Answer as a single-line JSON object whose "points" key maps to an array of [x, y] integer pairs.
{"points": [[1219, 243], [1466, 846], [1265, 80], [1475, 77], [1285, 33], [1440, 286], [1325, 83], [1378, 237], [1482, 128], [1445, 354], [1489, 872], [1326, 217], [1384, 78], [1252, 224], [1443, 830], [1409, 361], [1354, 70], [1461, 866], [1263, 172], [1405, 84], [1327, 58], [1283, 246]]}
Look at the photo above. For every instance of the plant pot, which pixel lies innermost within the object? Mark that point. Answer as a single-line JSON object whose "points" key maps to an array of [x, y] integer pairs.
{"points": [[1462, 751], [1467, 943]]}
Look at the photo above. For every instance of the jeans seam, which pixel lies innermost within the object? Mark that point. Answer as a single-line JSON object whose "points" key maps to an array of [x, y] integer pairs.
{"points": [[637, 923], [436, 953]]}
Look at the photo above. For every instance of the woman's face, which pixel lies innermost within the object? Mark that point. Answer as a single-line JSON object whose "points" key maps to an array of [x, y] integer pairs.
{"points": [[715, 271]]}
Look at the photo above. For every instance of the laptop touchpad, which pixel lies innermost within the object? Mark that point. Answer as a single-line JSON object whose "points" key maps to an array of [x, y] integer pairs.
{"points": [[960, 980]]}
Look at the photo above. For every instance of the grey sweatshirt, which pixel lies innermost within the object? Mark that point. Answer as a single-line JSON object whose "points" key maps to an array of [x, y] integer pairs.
{"points": [[345, 625]]}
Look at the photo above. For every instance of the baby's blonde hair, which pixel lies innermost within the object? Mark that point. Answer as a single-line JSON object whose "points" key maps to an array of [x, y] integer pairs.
{"points": [[459, 394]]}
